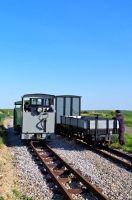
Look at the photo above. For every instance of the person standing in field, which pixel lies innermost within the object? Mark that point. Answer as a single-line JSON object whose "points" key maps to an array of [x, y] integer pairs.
{"points": [[120, 118]]}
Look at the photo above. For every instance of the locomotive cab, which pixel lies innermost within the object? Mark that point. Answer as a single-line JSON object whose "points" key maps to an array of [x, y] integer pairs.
{"points": [[37, 122]]}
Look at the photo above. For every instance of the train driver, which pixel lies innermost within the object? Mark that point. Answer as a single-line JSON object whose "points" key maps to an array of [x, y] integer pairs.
{"points": [[26, 107], [51, 108]]}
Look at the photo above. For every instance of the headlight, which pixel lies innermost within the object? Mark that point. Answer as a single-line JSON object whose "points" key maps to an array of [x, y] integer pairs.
{"points": [[39, 109]]}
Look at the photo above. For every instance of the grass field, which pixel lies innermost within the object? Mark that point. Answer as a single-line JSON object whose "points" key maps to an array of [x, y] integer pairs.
{"points": [[110, 114], [128, 140], [6, 112]]}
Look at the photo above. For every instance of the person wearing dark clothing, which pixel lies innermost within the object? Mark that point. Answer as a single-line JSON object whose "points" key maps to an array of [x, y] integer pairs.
{"points": [[51, 108], [26, 107], [120, 118]]}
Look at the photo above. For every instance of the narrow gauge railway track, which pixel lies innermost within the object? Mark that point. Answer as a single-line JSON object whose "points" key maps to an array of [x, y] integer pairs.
{"points": [[115, 155], [121, 154], [56, 170]]}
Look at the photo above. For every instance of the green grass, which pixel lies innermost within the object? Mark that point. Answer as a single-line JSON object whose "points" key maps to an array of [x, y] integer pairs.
{"points": [[7, 112], [128, 140], [109, 114], [16, 193], [128, 118], [4, 113], [19, 196], [1, 198]]}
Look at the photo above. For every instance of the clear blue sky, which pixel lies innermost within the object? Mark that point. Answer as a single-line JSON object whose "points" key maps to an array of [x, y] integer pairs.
{"points": [[67, 47]]}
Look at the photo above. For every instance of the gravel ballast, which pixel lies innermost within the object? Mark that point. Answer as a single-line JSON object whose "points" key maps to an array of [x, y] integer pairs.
{"points": [[114, 179], [31, 179]]}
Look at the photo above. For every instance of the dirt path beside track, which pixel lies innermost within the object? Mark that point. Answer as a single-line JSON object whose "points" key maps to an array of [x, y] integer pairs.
{"points": [[8, 176]]}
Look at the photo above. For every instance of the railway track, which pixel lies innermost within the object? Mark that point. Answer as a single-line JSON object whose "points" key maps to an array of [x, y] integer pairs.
{"points": [[62, 172], [115, 155]]}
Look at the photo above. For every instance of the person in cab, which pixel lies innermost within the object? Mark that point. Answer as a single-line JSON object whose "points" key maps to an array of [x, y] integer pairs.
{"points": [[51, 108], [26, 107]]}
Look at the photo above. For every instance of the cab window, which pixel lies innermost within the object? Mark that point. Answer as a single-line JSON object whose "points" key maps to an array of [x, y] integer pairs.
{"points": [[36, 101]]}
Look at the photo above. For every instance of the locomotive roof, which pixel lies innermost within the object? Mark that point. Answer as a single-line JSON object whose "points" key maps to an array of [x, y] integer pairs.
{"points": [[37, 94], [20, 102], [68, 96]]}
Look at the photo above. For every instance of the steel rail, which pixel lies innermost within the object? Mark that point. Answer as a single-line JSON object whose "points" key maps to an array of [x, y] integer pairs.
{"points": [[67, 192], [122, 154], [128, 164], [84, 180], [118, 160], [60, 185]]}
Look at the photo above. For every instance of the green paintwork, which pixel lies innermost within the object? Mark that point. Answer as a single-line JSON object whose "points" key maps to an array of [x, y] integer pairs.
{"points": [[17, 117], [20, 102]]}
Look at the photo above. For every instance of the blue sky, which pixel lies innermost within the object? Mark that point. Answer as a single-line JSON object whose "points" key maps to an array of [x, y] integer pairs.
{"points": [[67, 47]]}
